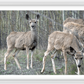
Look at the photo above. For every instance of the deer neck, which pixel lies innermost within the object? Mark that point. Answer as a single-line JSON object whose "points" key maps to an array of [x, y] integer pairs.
{"points": [[75, 45], [34, 34], [77, 49], [33, 31]]}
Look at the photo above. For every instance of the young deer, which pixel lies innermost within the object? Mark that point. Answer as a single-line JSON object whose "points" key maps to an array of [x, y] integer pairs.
{"points": [[22, 41], [63, 41]]}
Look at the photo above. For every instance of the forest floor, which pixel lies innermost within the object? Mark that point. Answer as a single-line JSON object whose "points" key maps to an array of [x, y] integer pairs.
{"points": [[12, 68]]}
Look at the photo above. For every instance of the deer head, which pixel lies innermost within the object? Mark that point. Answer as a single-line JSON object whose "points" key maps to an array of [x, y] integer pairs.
{"points": [[78, 58], [32, 22]]}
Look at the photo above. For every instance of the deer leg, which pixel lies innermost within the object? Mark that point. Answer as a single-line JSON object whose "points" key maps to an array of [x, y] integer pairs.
{"points": [[78, 69], [65, 58], [44, 59], [78, 73], [16, 52], [31, 59], [53, 63], [27, 51], [5, 58]]}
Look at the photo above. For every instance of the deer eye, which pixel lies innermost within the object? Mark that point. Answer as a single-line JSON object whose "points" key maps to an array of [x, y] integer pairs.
{"points": [[81, 58], [35, 22]]}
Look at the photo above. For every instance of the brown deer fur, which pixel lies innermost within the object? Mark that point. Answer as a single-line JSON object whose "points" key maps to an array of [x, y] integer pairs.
{"points": [[22, 41], [61, 41], [69, 19], [76, 29]]}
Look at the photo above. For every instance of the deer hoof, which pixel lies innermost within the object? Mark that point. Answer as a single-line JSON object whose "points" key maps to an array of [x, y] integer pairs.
{"points": [[27, 67], [5, 69], [31, 66], [77, 73], [42, 70]]}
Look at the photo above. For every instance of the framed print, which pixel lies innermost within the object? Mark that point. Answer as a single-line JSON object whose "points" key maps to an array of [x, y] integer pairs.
{"points": [[41, 42]]}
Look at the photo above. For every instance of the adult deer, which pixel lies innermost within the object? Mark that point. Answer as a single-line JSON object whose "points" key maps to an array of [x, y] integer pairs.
{"points": [[63, 41], [70, 19], [22, 41], [76, 27]]}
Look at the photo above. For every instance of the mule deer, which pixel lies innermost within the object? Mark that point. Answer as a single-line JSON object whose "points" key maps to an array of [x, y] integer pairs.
{"points": [[76, 27], [70, 19], [63, 41], [22, 41]]}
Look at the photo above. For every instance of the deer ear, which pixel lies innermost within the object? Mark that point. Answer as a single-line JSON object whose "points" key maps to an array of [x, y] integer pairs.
{"points": [[27, 16], [83, 50], [38, 16]]}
